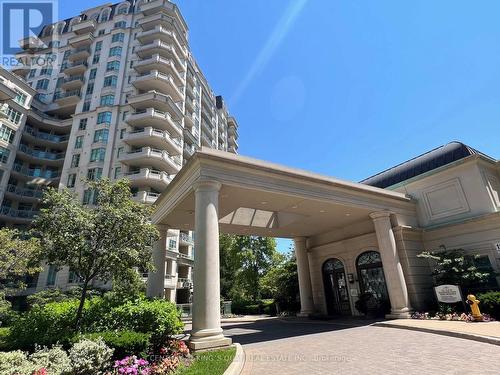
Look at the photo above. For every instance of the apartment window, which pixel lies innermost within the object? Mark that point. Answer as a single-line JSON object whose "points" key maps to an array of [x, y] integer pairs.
{"points": [[122, 133], [66, 54], [83, 124], [32, 73], [89, 197], [45, 71], [110, 81], [172, 244], [113, 66], [131, 64], [96, 59], [104, 118], [7, 134], [75, 161], [101, 32], [120, 150], [20, 97], [98, 46], [73, 278], [101, 135], [120, 37], [107, 100], [120, 24], [97, 154], [4, 154], [94, 174], [59, 82], [90, 88], [86, 106], [51, 277], [124, 116], [79, 141], [71, 180], [14, 116], [93, 74], [118, 172], [42, 84], [115, 51]]}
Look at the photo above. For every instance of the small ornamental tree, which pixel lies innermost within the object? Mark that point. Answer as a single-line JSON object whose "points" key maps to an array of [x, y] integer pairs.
{"points": [[100, 241], [455, 267]]}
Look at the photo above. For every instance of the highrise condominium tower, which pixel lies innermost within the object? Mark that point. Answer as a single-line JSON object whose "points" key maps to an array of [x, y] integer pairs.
{"points": [[118, 94]]}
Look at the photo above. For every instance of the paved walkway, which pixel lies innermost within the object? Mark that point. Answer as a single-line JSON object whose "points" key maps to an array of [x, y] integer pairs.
{"points": [[282, 347]]}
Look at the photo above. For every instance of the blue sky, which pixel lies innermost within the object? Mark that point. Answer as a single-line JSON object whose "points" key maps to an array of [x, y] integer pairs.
{"points": [[349, 88]]}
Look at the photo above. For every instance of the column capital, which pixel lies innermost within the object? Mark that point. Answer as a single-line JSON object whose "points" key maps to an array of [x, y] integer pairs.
{"points": [[380, 215], [299, 239], [207, 185]]}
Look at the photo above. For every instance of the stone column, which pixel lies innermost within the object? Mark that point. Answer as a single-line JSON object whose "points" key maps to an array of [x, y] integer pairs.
{"points": [[156, 279], [393, 271], [305, 289], [207, 331]]}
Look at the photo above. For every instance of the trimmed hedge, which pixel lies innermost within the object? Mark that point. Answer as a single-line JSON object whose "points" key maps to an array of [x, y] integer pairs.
{"points": [[267, 307], [54, 322], [125, 343], [490, 303]]}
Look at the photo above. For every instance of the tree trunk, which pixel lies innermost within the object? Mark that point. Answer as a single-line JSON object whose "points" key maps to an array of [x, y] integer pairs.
{"points": [[80, 307]]}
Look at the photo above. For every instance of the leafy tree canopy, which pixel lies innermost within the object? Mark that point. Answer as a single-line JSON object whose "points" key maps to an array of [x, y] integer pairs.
{"points": [[98, 241]]}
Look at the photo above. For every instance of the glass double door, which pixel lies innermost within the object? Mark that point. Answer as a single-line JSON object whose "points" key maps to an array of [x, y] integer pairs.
{"points": [[335, 285]]}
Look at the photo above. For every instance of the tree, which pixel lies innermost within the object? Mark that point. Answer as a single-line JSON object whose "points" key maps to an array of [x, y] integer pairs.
{"points": [[18, 258], [229, 264], [281, 282], [455, 267], [99, 241]]}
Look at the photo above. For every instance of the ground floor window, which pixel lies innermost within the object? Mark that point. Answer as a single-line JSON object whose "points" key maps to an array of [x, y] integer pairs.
{"points": [[335, 283]]}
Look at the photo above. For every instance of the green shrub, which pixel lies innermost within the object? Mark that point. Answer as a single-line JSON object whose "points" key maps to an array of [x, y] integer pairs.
{"points": [[54, 360], [242, 307], [7, 315], [15, 362], [5, 339], [125, 343], [89, 357], [490, 303]]}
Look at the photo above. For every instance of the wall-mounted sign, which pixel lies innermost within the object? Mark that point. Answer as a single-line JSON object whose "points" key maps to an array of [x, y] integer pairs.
{"points": [[448, 293]]}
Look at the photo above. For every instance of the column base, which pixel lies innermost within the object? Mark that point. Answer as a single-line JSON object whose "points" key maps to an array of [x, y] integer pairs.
{"points": [[207, 339], [399, 314], [304, 314]]}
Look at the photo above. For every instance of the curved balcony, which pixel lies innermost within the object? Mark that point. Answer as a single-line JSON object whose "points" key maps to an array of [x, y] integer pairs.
{"points": [[18, 216], [67, 101], [35, 174], [161, 33], [191, 78], [83, 40], [157, 119], [156, 100], [42, 121], [21, 70], [159, 18], [82, 53], [170, 282], [155, 80], [159, 139], [160, 64], [76, 68], [84, 27], [158, 159], [73, 83], [24, 194], [207, 141], [158, 180], [26, 153], [193, 134], [157, 47], [185, 259], [6, 91], [146, 197], [45, 139]]}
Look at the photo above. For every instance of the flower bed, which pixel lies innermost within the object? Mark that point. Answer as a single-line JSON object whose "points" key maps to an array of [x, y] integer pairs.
{"points": [[450, 316]]}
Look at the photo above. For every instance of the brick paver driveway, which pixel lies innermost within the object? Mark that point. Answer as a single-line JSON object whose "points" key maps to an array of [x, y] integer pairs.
{"points": [[279, 347]]}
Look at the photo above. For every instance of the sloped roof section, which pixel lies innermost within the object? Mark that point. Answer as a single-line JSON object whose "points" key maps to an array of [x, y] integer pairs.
{"points": [[433, 159]]}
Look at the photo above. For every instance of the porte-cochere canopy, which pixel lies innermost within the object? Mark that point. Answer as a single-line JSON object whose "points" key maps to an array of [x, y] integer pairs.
{"points": [[218, 191]]}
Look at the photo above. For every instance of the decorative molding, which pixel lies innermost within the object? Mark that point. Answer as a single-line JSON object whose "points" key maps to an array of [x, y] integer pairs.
{"points": [[493, 186], [445, 199]]}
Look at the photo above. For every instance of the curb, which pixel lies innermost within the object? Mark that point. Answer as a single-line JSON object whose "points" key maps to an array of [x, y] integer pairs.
{"points": [[460, 335], [238, 362]]}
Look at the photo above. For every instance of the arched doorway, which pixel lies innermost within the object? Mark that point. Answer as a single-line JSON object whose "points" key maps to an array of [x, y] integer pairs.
{"points": [[371, 276], [335, 283]]}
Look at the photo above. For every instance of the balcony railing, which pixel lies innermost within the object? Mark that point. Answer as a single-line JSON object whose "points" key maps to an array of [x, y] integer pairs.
{"points": [[21, 214], [160, 114], [35, 172], [41, 154], [25, 192], [158, 133], [186, 238], [63, 95], [45, 136]]}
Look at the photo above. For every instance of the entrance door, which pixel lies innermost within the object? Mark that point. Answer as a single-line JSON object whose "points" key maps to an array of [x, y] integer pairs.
{"points": [[335, 283], [371, 277]]}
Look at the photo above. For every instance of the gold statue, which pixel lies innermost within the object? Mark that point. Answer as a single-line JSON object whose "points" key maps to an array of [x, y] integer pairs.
{"points": [[474, 306]]}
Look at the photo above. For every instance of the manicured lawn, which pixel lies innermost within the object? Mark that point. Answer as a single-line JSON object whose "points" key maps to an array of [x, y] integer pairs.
{"points": [[4, 332], [213, 363]]}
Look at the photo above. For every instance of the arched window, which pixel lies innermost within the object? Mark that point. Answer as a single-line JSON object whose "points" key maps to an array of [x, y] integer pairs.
{"points": [[139, 4], [335, 284], [371, 275], [60, 27], [104, 15], [123, 9]]}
